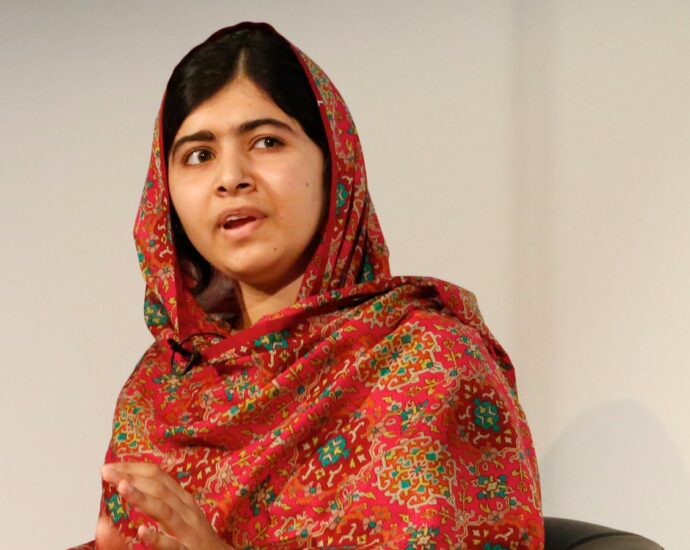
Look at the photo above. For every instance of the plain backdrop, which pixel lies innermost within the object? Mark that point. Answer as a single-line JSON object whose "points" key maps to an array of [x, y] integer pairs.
{"points": [[533, 152]]}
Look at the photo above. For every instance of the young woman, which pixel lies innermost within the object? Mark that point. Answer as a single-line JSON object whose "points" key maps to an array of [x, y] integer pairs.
{"points": [[297, 394]]}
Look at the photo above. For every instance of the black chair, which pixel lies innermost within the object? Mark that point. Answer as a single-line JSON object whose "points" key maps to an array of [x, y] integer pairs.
{"points": [[567, 534]]}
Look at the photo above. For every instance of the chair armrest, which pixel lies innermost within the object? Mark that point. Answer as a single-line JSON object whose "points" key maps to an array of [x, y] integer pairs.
{"points": [[569, 534]]}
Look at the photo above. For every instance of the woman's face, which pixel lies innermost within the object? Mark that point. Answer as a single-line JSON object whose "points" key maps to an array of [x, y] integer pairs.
{"points": [[246, 182]]}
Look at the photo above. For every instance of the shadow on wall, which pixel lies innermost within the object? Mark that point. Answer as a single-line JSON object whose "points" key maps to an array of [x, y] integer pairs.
{"points": [[617, 466]]}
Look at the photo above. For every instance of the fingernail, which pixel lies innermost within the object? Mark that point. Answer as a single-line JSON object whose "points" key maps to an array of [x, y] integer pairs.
{"points": [[107, 472], [145, 533], [124, 488]]}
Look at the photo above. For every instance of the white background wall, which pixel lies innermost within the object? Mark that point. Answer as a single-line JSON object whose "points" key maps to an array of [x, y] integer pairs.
{"points": [[533, 152]]}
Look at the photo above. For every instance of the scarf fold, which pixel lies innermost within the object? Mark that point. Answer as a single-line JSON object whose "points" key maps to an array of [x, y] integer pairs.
{"points": [[375, 412]]}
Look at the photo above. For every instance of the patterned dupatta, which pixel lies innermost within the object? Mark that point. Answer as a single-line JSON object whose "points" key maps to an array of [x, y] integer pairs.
{"points": [[375, 412]]}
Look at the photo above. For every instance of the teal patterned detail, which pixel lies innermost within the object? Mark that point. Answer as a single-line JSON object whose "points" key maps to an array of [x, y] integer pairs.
{"points": [[367, 272], [142, 262], [411, 413], [423, 538], [492, 546], [486, 415], [333, 451], [155, 314], [328, 393], [273, 340], [472, 349], [341, 196], [492, 487], [262, 496], [176, 430], [415, 473], [117, 511], [171, 384]]}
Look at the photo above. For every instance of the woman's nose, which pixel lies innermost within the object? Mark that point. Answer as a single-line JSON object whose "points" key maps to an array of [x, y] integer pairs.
{"points": [[234, 174]]}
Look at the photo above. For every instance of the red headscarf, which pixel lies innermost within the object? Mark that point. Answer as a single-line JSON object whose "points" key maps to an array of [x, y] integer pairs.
{"points": [[376, 411]]}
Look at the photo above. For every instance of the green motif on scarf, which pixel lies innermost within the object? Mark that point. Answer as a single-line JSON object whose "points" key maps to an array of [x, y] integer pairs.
{"points": [[333, 451], [273, 340], [492, 487], [262, 496], [486, 415], [341, 196], [367, 272], [472, 349], [117, 511], [155, 314], [423, 538]]}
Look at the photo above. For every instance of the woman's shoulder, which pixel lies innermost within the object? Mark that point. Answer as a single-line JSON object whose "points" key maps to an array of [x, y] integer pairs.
{"points": [[447, 329]]}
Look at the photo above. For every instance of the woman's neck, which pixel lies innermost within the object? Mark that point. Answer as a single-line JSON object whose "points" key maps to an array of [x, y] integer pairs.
{"points": [[255, 303]]}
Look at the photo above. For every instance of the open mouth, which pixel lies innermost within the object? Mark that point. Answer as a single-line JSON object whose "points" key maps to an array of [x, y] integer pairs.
{"points": [[233, 222]]}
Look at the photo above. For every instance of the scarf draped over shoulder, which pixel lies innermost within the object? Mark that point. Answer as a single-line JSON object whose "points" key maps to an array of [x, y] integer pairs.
{"points": [[375, 412]]}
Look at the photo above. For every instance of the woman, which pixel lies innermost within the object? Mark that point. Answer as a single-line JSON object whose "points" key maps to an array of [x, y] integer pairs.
{"points": [[297, 395]]}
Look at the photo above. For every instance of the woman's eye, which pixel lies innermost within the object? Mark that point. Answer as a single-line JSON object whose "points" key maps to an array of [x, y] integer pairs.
{"points": [[267, 143], [198, 156]]}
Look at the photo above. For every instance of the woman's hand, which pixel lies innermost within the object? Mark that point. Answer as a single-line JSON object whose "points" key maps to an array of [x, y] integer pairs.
{"points": [[150, 489], [107, 535]]}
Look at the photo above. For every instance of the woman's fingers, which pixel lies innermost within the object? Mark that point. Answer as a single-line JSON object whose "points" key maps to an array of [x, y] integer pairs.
{"points": [[152, 491], [157, 501], [146, 470], [159, 541], [108, 537]]}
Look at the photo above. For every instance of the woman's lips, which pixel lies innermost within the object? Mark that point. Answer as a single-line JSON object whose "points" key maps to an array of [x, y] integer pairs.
{"points": [[234, 221], [240, 212], [238, 229], [240, 222]]}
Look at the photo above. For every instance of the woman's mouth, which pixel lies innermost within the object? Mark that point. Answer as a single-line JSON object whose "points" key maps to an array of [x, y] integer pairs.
{"points": [[240, 226], [233, 222]]}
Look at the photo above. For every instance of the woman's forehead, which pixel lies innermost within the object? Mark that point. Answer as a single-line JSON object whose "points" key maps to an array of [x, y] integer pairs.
{"points": [[234, 101]]}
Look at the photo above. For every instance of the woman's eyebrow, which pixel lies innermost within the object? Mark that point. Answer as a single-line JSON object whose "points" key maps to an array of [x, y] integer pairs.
{"points": [[248, 126], [254, 124]]}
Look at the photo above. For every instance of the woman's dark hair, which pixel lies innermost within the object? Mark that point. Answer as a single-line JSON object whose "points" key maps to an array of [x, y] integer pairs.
{"points": [[268, 61]]}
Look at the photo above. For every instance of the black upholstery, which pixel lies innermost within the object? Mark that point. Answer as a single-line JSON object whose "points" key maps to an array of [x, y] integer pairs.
{"points": [[567, 534]]}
